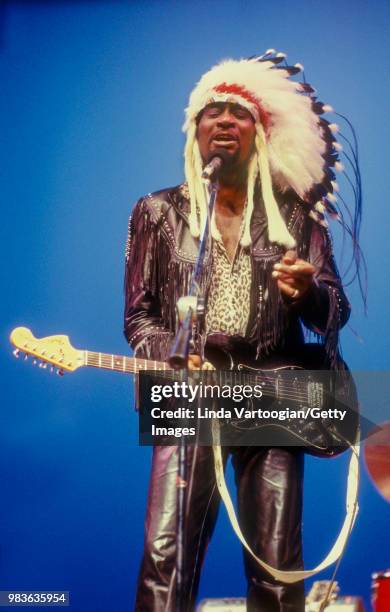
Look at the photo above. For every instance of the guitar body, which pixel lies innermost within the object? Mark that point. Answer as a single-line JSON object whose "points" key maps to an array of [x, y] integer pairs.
{"points": [[296, 384]]}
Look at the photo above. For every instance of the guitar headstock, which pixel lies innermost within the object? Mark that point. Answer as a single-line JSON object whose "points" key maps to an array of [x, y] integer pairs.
{"points": [[56, 350]]}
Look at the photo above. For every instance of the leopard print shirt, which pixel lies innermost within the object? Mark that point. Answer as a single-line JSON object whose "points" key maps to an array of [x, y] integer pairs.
{"points": [[229, 295]]}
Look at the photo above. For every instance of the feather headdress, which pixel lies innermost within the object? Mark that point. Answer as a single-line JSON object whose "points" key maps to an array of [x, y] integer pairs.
{"points": [[295, 148]]}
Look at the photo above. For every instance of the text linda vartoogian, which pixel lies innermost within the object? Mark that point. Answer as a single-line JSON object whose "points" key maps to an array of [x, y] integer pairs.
{"points": [[237, 393]]}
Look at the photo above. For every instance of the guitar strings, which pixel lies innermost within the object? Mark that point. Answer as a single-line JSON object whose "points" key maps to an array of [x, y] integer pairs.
{"points": [[126, 364]]}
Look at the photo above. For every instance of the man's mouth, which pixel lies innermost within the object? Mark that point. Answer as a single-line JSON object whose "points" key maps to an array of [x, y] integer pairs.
{"points": [[224, 140]]}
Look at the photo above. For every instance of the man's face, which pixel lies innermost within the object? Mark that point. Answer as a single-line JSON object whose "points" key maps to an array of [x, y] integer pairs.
{"points": [[226, 126]]}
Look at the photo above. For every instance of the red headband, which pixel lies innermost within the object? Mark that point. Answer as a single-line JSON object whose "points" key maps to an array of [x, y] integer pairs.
{"points": [[239, 90]]}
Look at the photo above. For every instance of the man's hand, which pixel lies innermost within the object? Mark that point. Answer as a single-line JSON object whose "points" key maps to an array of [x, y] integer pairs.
{"points": [[294, 276], [195, 363]]}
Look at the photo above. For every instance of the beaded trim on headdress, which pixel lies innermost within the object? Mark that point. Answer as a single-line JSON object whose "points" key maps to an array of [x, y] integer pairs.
{"points": [[296, 148]]}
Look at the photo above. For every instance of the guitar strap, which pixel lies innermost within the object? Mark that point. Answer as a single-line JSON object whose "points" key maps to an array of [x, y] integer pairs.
{"points": [[340, 543]]}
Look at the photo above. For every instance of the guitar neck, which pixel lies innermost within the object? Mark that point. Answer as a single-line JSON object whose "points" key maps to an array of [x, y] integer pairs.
{"points": [[120, 363], [57, 351], [133, 365]]}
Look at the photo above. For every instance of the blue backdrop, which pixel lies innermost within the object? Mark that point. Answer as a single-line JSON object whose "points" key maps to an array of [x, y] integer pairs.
{"points": [[91, 108]]}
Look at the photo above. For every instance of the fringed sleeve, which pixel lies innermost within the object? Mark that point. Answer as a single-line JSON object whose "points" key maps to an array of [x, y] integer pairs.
{"points": [[146, 250], [325, 308]]}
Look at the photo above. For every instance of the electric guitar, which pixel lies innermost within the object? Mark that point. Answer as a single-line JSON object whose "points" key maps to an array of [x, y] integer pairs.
{"points": [[301, 384]]}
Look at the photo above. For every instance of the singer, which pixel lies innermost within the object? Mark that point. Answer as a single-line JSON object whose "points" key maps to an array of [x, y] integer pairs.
{"points": [[270, 270]]}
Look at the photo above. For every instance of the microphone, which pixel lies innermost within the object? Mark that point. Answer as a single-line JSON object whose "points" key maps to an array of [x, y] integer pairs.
{"points": [[215, 163]]}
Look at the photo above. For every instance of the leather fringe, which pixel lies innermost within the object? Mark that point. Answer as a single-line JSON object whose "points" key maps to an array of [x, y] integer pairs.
{"points": [[330, 336], [165, 278], [270, 322]]}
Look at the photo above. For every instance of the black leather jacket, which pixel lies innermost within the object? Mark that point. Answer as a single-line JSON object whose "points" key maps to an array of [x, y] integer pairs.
{"points": [[160, 256]]}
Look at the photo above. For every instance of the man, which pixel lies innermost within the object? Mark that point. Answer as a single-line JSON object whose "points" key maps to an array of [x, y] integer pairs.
{"points": [[269, 267]]}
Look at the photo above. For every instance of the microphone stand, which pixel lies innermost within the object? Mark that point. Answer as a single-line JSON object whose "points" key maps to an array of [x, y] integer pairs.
{"points": [[189, 308]]}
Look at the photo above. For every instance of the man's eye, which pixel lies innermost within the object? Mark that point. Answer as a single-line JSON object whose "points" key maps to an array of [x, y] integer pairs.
{"points": [[213, 112], [241, 114]]}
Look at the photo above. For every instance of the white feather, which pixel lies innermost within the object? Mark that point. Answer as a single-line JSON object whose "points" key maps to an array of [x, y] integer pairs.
{"points": [[335, 186], [319, 207], [334, 128]]}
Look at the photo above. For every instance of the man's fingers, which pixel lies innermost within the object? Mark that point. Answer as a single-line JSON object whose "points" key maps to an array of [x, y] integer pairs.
{"points": [[289, 280], [285, 288], [289, 257], [297, 269], [194, 362]]}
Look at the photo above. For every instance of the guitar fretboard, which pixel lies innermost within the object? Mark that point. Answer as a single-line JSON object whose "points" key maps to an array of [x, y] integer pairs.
{"points": [[132, 365], [119, 363]]}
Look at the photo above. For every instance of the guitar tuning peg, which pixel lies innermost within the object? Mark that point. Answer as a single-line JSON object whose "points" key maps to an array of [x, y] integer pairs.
{"points": [[16, 353]]}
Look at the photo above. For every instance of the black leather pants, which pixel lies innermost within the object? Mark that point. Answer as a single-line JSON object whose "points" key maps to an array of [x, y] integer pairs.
{"points": [[269, 483]]}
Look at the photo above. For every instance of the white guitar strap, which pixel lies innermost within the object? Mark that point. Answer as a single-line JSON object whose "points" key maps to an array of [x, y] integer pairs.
{"points": [[339, 545]]}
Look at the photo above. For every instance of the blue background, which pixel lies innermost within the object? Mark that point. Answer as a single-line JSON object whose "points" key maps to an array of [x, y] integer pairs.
{"points": [[92, 99]]}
